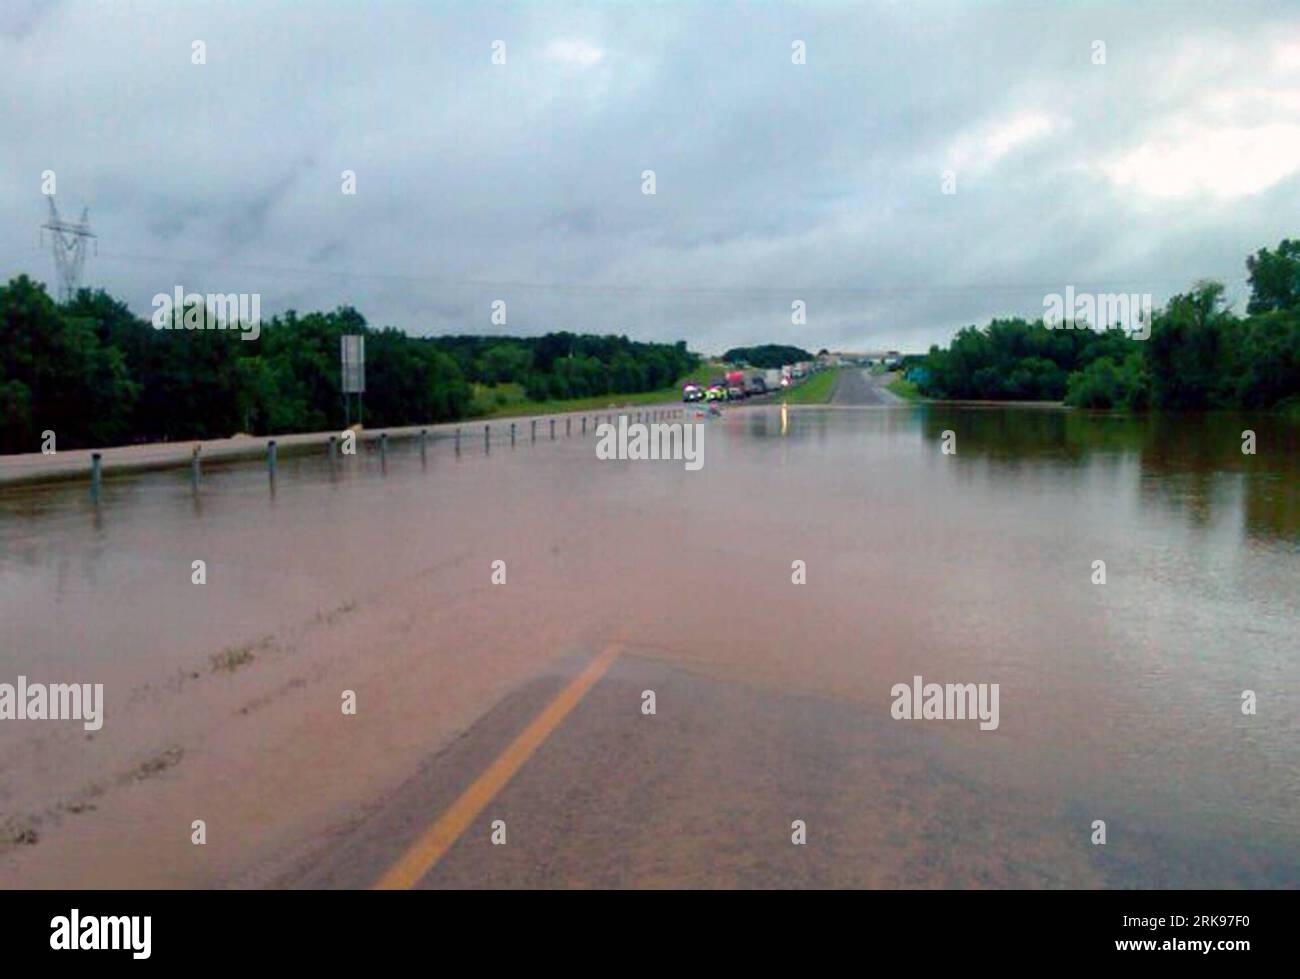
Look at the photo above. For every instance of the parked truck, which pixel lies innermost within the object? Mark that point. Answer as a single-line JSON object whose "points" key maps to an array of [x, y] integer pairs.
{"points": [[755, 383]]}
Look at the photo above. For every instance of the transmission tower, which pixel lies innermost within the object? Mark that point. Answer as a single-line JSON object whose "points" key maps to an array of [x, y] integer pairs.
{"points": [[69, 248]]}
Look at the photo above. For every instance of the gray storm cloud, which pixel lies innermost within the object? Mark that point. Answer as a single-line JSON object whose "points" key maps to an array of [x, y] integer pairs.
{"points": [[775, 181]]}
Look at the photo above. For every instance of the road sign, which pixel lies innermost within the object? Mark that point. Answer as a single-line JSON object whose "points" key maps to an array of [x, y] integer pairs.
{"points": [[353, 353]]}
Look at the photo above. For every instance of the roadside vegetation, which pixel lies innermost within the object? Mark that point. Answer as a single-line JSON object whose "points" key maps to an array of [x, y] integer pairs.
{"points": [[814, 390], [567, 366], [1200, 354], [508, 400], [95, 374], [904, 388]]}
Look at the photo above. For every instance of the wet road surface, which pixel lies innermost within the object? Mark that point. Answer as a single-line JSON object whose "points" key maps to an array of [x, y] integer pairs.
{"points": [[705, 792], [860, 387], [714, 789]]}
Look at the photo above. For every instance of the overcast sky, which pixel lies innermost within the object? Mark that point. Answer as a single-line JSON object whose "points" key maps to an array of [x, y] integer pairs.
{"points": [[775, 181]]}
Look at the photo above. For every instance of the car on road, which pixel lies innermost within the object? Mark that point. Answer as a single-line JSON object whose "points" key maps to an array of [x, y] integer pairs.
{"points": [[692, 392]]}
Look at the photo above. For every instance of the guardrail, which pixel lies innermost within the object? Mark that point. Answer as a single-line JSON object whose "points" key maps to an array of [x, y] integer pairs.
{"points": [[165, 457]]}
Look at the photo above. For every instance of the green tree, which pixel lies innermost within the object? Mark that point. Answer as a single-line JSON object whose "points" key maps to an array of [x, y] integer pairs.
{"points": [[1107, 384], [1274, 278], [1184, 352], [56, 375]]}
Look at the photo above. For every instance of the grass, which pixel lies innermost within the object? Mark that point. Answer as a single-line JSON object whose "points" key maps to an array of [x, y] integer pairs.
{"points": [[234, 657], [815, 390], [904, 389], [158, 763], [507, 400]]}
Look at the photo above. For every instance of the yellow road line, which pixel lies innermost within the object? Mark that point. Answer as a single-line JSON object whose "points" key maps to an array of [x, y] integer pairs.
{"points": [[438, 838]]}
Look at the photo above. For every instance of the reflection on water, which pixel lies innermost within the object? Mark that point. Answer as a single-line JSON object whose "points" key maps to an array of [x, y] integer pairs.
{"points": [[1118, 701], [1193, 464]]}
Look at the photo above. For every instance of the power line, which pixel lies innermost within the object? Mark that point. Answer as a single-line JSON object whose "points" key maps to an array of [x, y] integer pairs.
{"points": [[624, 289]]}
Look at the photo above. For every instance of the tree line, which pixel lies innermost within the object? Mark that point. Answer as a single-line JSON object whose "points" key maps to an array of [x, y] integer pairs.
{"points": [[95, 374], [1199, 354], [767, 355], [568, 365]]}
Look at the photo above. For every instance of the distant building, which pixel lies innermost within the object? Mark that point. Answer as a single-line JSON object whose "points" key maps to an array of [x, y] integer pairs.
{"points": [[873, 358]]}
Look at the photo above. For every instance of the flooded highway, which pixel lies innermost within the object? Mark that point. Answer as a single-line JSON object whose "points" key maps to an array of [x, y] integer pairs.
{"points": [[770, 603]]}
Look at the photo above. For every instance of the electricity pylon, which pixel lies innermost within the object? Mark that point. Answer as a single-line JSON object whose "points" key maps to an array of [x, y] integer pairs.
{"points": [[69, 248]]}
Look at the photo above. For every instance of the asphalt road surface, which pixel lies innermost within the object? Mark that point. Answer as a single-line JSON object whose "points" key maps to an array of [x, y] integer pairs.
{"points": [[858, 387], [705, 792]]}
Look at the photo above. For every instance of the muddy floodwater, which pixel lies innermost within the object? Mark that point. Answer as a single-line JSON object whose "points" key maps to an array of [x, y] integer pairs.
{"points": [[1120, 702]]}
